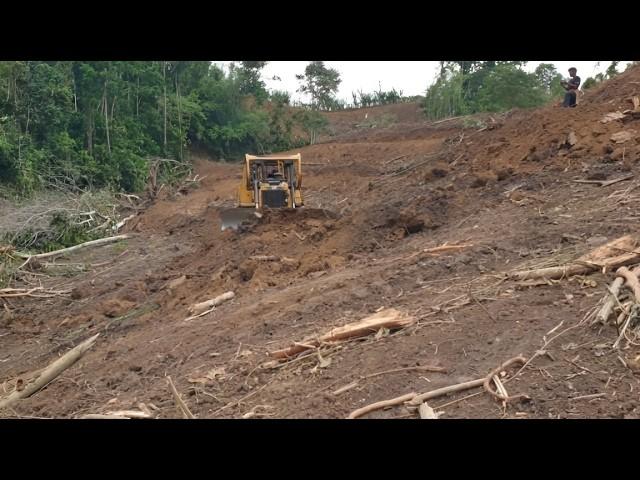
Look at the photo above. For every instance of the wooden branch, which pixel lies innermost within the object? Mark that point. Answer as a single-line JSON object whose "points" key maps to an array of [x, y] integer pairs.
{"points": [[31, 292], [119, 415], [589, 397], [122, 222], [612, 299], [101, 416], [182, 407], [421, 368], [418, 399], [130, 414], [446, 248], [605, 183], [378, 405], [626, 324], [487, 381], [387, 318], [553, 272], [92, 243], [632, 282], [50, 372], [201, 307]]}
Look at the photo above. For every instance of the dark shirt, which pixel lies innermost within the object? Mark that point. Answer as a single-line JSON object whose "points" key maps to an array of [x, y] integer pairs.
{"points": [[574, 83]]}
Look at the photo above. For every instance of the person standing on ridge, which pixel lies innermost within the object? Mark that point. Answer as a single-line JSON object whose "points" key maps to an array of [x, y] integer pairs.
{"points": [[571, 86]]}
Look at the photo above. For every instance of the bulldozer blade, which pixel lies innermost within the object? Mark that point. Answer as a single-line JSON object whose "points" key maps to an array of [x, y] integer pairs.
{"points": [[234, 217]]}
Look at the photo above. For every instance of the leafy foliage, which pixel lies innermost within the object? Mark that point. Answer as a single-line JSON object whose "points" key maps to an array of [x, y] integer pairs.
{"points": [[321, 83], [94, 124], [468, 87]]}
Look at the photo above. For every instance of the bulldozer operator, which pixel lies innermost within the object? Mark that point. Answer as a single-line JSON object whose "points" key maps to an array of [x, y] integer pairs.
{"points": [[571, 86]]}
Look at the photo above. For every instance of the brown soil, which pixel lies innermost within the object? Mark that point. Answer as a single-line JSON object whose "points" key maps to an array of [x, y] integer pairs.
{"points": [[375, 199]]}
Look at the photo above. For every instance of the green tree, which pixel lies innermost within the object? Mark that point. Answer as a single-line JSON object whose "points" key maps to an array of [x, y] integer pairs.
{"points": [[313, 122], [508, 86], [549, 77], [249, 75], [321, 83]]}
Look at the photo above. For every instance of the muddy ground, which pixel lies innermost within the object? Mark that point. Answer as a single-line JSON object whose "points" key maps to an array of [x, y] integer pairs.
{"points": [[376, 197]]}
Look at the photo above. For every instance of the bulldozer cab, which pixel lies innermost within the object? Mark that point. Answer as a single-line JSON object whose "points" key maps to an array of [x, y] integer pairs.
{"points": [[272, 182], [267, 182]]}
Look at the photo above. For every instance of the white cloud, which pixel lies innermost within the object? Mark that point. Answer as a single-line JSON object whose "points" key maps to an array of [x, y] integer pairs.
{"points": [[412, 78]]}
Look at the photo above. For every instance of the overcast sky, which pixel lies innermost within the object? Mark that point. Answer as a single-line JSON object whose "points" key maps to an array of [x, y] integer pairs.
{"points": [[412, 78]]}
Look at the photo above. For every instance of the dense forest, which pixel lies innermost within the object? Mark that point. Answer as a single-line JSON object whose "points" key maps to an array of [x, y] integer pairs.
{"points": [[94, 124]]}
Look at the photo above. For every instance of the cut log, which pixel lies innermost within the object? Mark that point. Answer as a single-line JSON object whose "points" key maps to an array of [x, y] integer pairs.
{"points": [[49, 373], [56, 253], [201, 307], [387, 318], [618, 252]]}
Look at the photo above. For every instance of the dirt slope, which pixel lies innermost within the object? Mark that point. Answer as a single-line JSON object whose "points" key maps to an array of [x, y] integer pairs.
{"points": [[388, 193]]}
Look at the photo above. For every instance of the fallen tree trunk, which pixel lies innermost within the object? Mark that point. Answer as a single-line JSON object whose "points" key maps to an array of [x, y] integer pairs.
{"points": [[388, 318], [201, 307], [50, 372], [92, 243]]}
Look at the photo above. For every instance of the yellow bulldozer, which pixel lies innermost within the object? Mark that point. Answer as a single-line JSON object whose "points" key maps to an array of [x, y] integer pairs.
{"points": [[267, 182]]}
